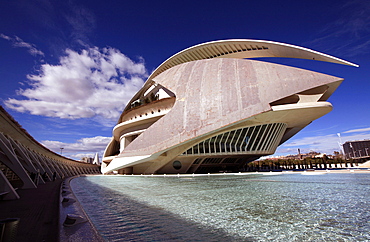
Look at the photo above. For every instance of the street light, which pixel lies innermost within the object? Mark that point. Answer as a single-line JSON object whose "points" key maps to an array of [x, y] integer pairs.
{"points": [[61, 151]]}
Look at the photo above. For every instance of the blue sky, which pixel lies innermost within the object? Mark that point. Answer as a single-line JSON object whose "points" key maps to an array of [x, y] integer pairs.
{"points": [[67, 68]]}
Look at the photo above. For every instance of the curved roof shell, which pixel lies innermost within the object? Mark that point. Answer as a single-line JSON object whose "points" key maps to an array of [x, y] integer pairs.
{"points": [[240, 49], [244, 49]]}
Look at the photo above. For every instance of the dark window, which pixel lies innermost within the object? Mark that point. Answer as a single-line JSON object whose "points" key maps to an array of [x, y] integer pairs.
{"points": [[177, 165]]}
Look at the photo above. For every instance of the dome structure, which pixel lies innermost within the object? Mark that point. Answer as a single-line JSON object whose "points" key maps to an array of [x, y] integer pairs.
{"points": [[210, 108]]}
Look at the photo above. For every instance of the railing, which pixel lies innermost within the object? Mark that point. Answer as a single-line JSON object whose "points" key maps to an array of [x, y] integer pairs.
{"points": [[260, 139], [149, 109]]}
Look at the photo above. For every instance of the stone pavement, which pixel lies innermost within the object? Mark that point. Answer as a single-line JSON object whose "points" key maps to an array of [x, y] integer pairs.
{"points": [[38, 210]]}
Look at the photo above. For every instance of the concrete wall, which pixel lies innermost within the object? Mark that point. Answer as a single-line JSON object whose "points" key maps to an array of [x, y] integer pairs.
{"points": [[25, 163]]}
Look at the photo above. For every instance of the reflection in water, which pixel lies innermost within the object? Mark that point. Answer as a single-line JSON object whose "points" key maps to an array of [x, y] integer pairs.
{"points": [[330, 207]]}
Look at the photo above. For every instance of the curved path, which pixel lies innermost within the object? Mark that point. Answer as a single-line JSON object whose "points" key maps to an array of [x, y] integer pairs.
{"points": [[38, 211], [30, 181]]}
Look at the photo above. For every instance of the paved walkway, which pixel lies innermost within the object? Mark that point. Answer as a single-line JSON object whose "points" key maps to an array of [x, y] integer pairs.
{"points": [[38, 210]]}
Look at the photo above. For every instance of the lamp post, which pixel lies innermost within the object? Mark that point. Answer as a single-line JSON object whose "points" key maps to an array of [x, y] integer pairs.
{"points": [[61, 151]]}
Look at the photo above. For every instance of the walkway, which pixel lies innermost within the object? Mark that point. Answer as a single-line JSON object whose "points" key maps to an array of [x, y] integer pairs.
{"points": [[38, 210]]}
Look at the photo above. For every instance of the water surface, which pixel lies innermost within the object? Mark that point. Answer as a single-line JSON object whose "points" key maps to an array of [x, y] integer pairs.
{"points": [[285, 207]]}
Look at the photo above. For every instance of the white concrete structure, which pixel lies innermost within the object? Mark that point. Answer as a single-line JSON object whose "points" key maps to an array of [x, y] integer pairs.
{"points": [[96, 160], [25, 163], [208, 109]]}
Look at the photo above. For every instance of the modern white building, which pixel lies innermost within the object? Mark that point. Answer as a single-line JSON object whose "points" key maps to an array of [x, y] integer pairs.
{"points": [[25, 163], [210, 108]]}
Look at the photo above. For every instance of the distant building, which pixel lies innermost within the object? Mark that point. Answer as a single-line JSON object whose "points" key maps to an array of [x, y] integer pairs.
{"points": [[311, 154], [357, 149], [87, 160]]}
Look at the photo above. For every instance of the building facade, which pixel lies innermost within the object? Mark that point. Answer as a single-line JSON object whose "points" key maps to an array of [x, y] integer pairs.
{"points": [[210, 108], [357, 149]]}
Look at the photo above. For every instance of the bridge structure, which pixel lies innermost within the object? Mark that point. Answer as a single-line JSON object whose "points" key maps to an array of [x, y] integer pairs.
{"points": [[25, 163]]}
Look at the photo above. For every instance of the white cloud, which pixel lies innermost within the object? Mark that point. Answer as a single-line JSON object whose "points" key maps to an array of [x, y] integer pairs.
{"points": [[85, 147], [322, 143], [88, 84], [18, 42], [5, 37], [79, 156], [357, 130]]}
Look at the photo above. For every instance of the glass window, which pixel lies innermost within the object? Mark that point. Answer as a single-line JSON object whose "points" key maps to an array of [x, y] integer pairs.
{"points": [[177, 165]]}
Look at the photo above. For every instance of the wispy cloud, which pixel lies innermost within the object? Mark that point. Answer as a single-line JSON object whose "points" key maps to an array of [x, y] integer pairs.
{"points": [[82, 21], [85, 147], [94, 83], [60, 24], [353, 27], [19, 43], [322, 143], [358, 130]]}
